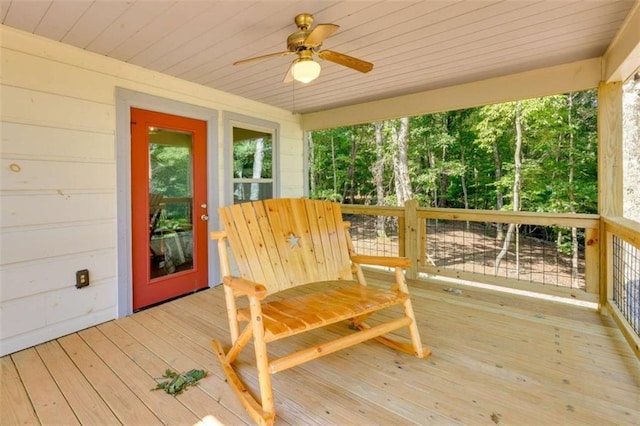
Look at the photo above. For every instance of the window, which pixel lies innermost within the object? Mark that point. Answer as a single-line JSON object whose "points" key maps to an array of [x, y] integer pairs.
{"points": [[252, 152], [252, 165]]}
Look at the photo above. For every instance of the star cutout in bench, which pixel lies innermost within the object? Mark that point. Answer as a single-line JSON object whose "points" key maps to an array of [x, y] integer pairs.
{"points": [[294, 241]]}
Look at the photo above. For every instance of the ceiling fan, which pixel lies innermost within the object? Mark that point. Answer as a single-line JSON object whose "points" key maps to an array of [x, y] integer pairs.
{"points": [[304, 43]]}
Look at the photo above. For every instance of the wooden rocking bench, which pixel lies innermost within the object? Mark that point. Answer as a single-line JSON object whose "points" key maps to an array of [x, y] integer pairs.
{"points": [[279, 244]]}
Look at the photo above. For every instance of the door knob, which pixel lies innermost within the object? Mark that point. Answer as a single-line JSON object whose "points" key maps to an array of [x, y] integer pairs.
{"points": [[204, 217]]}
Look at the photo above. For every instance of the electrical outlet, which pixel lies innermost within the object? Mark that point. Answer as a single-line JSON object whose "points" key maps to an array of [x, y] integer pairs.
{"points": [[82, 278]]}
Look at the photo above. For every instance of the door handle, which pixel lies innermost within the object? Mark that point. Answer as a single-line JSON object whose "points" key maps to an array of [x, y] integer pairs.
{"points": [[204, 217]]}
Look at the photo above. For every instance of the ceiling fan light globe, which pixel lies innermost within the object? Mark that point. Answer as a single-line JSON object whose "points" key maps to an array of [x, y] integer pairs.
{"points": [[305, 71]]}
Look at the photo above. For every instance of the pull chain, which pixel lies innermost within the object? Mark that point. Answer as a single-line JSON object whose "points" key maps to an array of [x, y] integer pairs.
{"points": [[293, 95]]}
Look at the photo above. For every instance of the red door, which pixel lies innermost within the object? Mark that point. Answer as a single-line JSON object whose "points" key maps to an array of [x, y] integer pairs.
{"points": [[168, 206]]}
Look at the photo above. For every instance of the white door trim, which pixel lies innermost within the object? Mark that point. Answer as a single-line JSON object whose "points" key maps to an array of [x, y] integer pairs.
{"points": [[125, 99]]}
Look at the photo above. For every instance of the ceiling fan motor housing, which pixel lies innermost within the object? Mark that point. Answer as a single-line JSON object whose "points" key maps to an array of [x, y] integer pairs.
{"points": [[304, 21], [296, 41]]}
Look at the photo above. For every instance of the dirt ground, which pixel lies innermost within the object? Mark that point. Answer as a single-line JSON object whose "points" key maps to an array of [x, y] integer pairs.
{"points": [[473, 247]]}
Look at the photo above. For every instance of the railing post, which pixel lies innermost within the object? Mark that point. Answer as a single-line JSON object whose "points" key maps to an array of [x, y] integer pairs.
{"points": [[592, 260], [411, 240], [606, 269], [610, 174]]}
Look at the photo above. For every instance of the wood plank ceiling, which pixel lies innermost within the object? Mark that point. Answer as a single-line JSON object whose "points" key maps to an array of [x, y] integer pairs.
{"points": [[415, 45]]}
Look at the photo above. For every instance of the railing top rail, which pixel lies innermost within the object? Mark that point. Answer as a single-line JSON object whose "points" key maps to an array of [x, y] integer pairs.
{"points": [[373, 210], [627, 229], [587, 221]]}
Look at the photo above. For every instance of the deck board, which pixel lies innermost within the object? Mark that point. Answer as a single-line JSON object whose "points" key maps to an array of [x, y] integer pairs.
{"points": [[16, 408], [196, 354], [88, 405], [48, 402], [497, 358], [178, 359], [168, 410], [121, 400]]}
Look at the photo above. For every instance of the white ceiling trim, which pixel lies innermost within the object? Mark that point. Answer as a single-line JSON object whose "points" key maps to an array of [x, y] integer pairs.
{"points": [[622, 57], [576, 76]]}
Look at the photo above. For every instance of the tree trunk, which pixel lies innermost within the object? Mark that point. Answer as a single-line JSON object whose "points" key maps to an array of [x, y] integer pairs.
{"points": [[572, 197], [333, 166], [378, 177], [444, 181], [400, 163], [258, 159], [349, 183], [476, 189], [434, 191], [465, 194], [498, 178], [516, 193], [312, 165], [463, 182]]}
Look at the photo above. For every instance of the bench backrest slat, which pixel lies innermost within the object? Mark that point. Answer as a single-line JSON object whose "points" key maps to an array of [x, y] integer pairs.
{"points": [[286, 242]]}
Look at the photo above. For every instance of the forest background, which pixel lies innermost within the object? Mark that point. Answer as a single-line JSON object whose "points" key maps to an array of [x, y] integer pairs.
{"points": [[537, 155]]}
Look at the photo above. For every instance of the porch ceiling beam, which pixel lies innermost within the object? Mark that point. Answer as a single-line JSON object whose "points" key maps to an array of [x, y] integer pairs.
{"points": [[563, 78], [622, 57]]}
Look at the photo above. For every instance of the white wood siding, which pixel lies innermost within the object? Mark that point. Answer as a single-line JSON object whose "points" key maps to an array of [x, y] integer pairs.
{"points": [[58, 179]]}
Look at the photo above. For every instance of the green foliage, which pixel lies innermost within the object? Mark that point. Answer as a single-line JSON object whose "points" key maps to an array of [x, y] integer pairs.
{"points": [[453, 153], [333, 158], [177, 383], [327, 194], [170, 170], [172, 224]]}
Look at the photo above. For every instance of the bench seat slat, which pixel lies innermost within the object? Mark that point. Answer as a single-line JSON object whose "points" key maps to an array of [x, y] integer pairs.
{"points": [[283, 318]]}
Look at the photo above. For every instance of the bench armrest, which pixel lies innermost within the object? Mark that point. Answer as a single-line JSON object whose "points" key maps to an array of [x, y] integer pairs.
{"points": [[390, 261], [218, 235], [245, 287]]}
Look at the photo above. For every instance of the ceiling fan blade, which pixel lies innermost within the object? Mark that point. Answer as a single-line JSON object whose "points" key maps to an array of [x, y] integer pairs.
{"points": [[320, 33], [346, 60], [258, 58]]}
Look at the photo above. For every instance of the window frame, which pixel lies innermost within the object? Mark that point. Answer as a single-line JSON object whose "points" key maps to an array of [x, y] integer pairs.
{"points": [[234, 120]]}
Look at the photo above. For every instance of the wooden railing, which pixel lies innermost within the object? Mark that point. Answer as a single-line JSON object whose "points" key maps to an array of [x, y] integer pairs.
{"points": [[620, 290], [428, 236], [607, 273], [535, 261]]}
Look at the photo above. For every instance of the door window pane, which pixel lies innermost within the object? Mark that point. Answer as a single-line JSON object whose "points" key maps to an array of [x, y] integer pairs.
{"points": [[170, 201]]}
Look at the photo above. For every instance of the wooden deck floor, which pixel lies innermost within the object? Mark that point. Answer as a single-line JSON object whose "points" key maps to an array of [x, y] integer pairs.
{"points": [[497, 359]]}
